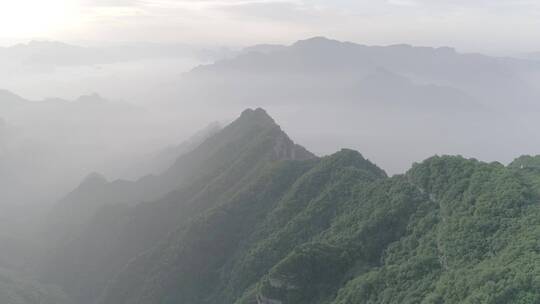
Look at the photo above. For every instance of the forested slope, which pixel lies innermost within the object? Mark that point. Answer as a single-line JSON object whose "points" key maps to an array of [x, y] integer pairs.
{"points": [[450, 230]]}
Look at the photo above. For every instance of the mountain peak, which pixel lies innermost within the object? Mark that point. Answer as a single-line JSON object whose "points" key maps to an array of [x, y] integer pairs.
{"points": [[258, 115], [90, 98], [526, 161], [318, 41], [94, 178]]}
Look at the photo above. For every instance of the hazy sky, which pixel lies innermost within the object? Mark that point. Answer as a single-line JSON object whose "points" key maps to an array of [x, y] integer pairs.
{"points": [[470, 25]]}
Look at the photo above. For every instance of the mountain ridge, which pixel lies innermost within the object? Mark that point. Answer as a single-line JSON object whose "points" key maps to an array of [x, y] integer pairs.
{"points": [[197, 181]]}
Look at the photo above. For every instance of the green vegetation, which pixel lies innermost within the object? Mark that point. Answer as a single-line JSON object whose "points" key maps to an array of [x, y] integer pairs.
{"points": [[526, 161], [450, 230], [477, 243]]}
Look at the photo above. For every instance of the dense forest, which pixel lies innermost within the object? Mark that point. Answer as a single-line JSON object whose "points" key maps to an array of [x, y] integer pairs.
{"points": [[248, 216]]}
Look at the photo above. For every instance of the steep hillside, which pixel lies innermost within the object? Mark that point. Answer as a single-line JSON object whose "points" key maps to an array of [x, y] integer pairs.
{"points": [[123, 226]]}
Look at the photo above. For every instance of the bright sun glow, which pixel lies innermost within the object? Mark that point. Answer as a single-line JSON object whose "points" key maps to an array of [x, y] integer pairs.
{"points": [[34, 18]]}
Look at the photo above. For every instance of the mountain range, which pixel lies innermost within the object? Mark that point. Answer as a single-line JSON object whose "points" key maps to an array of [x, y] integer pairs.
{"points": [[254, 218], [309, 68]]}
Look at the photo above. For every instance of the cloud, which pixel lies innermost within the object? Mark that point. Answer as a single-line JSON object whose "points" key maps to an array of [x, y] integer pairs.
{"points": [[276, 11], [403, 2], [499, 5], [111, 3]]}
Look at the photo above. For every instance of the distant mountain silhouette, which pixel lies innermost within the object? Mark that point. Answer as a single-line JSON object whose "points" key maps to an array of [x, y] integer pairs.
{"points": [[44, 129], [316, 70]]}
